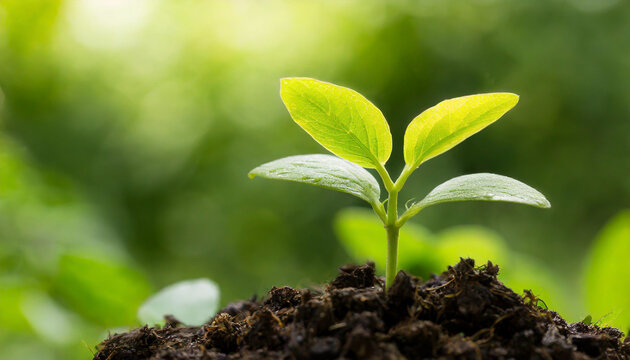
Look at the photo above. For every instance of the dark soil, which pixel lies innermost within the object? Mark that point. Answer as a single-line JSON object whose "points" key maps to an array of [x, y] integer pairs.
{"points": [[465, 313]]}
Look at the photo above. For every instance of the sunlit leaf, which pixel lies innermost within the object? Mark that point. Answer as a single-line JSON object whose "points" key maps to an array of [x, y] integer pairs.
{"points": [[606, 284], [192, 302], [326, 171], [481, 187], [364, 238], [340, 119], [106, 292], [450, 122]]}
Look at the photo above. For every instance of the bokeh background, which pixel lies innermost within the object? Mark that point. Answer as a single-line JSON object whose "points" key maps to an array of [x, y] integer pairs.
{"points": [[128, 128]]}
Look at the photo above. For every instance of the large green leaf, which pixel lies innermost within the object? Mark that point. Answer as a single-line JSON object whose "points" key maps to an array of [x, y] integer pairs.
{"points": [[340, 119], [326, 171], [193, 302], [450, 122], [606, 281], [481, 187]]}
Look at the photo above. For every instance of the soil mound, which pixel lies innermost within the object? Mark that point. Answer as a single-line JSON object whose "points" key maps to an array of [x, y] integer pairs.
{"points": [[464, 313]]}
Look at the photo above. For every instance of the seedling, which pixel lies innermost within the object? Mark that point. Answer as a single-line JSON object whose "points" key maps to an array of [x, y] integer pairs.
{"points": [[351, 127]]}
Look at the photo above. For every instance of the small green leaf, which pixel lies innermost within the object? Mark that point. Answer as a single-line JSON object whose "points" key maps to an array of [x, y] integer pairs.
{"points": [[606, 283], [326, 171], [481, 187], [192, 302], [340, 119], [450, 122]]}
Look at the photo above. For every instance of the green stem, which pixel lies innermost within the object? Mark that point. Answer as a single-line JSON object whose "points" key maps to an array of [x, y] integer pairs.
{"points": [[379, 209], [392, 255], [404, 175], [408, 214], [387, 180], [392, 238], [392, 208], [390, 219]]}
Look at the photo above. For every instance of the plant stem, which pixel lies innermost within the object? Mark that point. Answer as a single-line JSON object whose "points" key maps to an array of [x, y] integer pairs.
{"points": [[387, 180], [392, 237], [392, 255], [379, 209], [390, 220]]}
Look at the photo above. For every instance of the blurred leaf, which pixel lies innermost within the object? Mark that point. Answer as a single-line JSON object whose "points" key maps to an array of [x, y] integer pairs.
{"points": [[103, 291], [12, 318], [450, 122], [606, 284], [48, 319], [518, 272], [192, 302], [481, 187], [326, 171], [474, 242], [340, 119], [526, 273], [363, 236]]}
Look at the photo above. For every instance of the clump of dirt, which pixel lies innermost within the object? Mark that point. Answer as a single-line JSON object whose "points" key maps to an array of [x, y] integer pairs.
{"points": [[464, 313]]}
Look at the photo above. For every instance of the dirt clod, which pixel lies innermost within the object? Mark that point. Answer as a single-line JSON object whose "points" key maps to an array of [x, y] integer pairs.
{"points": [[465, 313]]}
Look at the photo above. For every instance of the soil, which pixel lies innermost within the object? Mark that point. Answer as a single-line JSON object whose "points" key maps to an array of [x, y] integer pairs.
{"points": [[464, 313]]}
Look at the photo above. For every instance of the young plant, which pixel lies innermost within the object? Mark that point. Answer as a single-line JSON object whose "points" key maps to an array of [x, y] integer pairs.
{"points": [[351, 127]]}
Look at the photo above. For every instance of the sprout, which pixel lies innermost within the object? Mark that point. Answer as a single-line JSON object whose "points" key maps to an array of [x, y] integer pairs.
{"points": [[353, 129]]}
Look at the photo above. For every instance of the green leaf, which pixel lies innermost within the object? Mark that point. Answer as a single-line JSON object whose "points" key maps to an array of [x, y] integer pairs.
{"points": [[340, 119], [363, 237], [473, 242], [105, 292], [192, 302], [14, 291], [50, 320], [450, 122], [524, 272], [326, 171], [481, 187], [606, 283]]}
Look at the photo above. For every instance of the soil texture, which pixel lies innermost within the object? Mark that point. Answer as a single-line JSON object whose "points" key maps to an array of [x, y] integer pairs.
{"points": [[464, 313]]}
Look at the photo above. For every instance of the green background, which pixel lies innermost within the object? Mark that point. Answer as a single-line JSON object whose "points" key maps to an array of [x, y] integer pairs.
{"points": [[128, 129]]}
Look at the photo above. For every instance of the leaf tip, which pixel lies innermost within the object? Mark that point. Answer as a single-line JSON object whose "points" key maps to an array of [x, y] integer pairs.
{"points": [[545, 204], [251, 174], [511, 98], [541, 202]]}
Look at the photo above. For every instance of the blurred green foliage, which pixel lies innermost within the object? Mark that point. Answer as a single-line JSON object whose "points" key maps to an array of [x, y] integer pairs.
{"points": [[128, 128], [606, 283], [424, 254]]}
